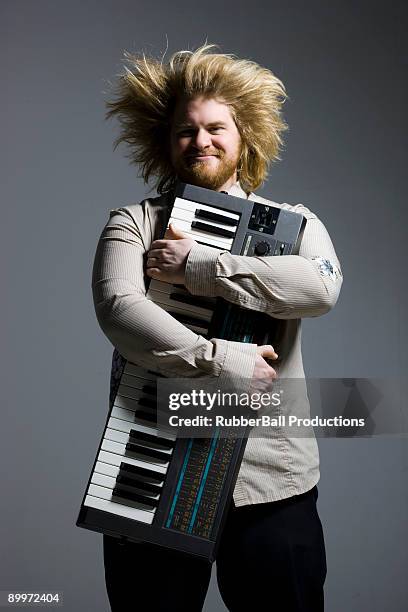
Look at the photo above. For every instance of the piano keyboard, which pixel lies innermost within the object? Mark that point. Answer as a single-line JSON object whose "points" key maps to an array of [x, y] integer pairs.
{"points": [[149, 485], [133, 459], [206, 225]]}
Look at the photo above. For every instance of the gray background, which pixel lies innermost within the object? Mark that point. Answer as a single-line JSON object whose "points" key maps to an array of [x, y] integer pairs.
{"points": [[343, 64]]}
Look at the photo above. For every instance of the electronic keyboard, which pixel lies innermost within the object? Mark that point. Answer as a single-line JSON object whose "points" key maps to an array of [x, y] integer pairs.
{"points": [[149, 485]]}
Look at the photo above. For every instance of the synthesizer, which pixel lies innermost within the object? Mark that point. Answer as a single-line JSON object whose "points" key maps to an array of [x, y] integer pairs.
{"points": [[146, 484]]}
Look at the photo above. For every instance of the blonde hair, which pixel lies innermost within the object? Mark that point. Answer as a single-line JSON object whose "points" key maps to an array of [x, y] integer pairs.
{"points": [[146, 96]]}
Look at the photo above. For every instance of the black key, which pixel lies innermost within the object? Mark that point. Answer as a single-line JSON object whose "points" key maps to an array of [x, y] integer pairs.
{"points": [[151, 453], [189, 320], [149, 389], [138, 484], [150, 439], [155, 373], [146, 416], [140, 472], [192, 299], [201, 241], [122, 493], [207, 214], [212, 229], [148, 402]]}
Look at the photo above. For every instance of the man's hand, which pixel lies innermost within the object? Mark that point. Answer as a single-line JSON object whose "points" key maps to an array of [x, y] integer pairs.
{"points": [[264, 374], [166, 260]]}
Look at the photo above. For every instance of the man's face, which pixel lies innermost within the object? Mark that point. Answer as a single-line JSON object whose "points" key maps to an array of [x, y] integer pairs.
{"points": [[205, 144]]}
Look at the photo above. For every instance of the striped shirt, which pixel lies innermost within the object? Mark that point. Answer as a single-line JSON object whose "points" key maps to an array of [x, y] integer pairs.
{"points": [[276, 465]]}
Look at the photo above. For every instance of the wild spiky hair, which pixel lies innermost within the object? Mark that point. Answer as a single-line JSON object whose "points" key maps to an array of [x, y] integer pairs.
{"points": [[146, 96]]}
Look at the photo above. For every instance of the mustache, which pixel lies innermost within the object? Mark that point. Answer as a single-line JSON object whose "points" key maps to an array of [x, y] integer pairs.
{"points": [[203, 153]]}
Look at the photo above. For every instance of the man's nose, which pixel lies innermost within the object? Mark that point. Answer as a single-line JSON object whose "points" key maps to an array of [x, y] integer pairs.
{"points": [[202, 139]]}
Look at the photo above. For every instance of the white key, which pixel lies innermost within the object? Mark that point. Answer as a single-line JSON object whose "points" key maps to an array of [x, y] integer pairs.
{"points": [[160, 292], [135, 370], [120, 449], [115, 459], [144, 516], [135, 381], [212, 239], [116, 436], [123, 437], [199, 329], [180, 214], [106, 493], [128, 403], [103, 480], [178, 308], [132, 392], [99, 491], [113, 472], [161, 286], [126, 426], [163, 297], [121, 415], [105, 468], [139, 419], [190, 205], [107, 482]]}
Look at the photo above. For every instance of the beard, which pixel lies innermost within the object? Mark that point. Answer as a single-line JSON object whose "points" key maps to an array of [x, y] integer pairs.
{"points": [[207, 173]]}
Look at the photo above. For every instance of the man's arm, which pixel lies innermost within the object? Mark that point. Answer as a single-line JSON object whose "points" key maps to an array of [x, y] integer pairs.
{"points": [[143, 332], [285, 287]]}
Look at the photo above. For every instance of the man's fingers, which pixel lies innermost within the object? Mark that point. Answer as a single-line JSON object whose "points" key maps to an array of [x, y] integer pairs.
{"points": [[155, 273], [267, 352], [155, 253], [152, 258], [272, 357], [159, 244]]}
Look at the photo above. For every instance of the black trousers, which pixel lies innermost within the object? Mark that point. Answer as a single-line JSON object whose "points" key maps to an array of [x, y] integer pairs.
{"points": [[271, 558]]}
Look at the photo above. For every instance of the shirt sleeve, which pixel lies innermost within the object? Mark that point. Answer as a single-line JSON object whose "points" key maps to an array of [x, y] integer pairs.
{"points": [[142, 331], [285, 287]]}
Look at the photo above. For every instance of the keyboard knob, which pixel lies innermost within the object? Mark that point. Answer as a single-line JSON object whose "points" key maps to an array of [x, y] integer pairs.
{"points": [[262, 248]]}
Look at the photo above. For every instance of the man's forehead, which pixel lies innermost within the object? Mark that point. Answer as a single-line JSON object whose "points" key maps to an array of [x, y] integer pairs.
{"points": [[208, 111]]}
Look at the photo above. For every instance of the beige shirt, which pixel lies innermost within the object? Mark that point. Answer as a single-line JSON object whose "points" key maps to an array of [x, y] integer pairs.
{"points": [[288, 288]]}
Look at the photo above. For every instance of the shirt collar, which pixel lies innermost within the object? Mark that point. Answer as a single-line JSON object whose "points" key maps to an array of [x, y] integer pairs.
{"points": [[236, 190]]}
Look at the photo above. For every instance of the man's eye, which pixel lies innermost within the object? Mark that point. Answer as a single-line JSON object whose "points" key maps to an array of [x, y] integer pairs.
{"points": [[185, 133], [215, 129]]}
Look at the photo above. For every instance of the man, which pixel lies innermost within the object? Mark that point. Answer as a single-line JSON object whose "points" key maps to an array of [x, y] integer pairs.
{"points": [[214, 121]]}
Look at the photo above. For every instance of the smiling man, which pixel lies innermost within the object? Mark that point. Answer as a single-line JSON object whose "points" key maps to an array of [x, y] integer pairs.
{"points": [[205, 144], [214, 120]]}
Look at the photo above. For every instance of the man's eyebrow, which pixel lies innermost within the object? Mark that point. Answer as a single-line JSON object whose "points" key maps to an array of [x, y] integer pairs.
{"points": [[179, 126], [190, 126], [215, 123]]}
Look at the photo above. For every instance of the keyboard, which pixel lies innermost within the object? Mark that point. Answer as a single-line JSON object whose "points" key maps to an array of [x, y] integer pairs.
{"points": [[148, 485]]}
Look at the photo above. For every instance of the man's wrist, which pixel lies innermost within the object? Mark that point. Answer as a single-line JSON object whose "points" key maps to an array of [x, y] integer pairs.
{"points": [[201, 270]]}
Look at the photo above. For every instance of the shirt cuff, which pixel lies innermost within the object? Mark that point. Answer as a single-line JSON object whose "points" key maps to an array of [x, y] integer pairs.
{"points": [[201, 270], [239, 363]]}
